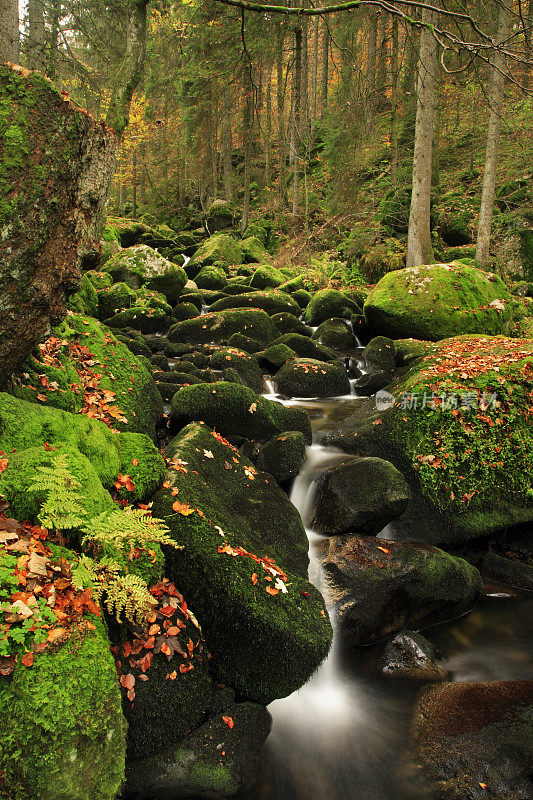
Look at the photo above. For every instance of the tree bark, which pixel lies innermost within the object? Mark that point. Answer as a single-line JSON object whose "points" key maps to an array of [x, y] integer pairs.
{"points": [[314, 72], [9, 31], [394, 105], [247, 132], [495, 97], [54, 38], [227, 137], [280, 102], [419, 249], [268, 128], [55, 178], [297, 101], [325, 66], [35, 42], [130, 71]]}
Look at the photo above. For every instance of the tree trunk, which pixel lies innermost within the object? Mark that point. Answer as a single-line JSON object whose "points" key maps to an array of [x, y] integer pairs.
{"points": [[325, 66], [280, 102], [268, 128], [314, 72], [419, 249], [134, 185], [35, 42], [58, 172], [247, 132], [130, 71], [54, 39], [394, 105], [371, 71], [227, 147], [297, 97], [495, 98], [9, 31]]}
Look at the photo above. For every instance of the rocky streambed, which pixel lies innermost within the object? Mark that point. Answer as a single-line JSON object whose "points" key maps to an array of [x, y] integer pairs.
{"points": [[170, 597]]}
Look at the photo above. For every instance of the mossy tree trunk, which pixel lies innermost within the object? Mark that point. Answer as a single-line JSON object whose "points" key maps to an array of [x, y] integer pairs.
{"points": [[56, 165]]}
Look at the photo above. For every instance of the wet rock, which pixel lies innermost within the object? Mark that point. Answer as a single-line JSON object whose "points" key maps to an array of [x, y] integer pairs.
{"points": [[288, 323], [183, 311], [360, 495], [306, 348], [378, 587], [379, 353], [275, 357], [283, 456], [307, 377], [246, 366], [328, 304], [142, 266], [516, 573], [271, 300], [473, 740], [219, 216], [218, 327], [371, 382], [335, 333], [410, 655]]}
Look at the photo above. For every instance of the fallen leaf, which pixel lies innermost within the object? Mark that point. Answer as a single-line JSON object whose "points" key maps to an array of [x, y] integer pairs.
{"points": [[228, 721]]}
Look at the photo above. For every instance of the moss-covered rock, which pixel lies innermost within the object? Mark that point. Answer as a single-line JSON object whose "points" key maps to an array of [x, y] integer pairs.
{"points": [[379, 587], [437, 301], [254, 251], [218, 327], [115, 298], [84, 348], [275, 356], [62, 733], [267, 277], [110, 453], [307, 377], [183, 311], [143, 266], [326, 304], [245, 365], [289, 323], [142, 318], [221, 247], [211, 278], [219, 216], [100, 280], [245, 343], [273, 302], [306, 347], [265, 641], [85, 301], [334, 333], [283, 455], [379, 352], [236, 410], [460, 433]]}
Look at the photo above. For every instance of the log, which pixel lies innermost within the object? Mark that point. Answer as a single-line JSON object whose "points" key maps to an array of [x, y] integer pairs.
{"points": [[56, 165]]}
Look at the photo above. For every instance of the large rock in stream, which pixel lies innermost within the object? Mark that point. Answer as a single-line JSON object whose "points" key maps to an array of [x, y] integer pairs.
{"points": [[57, 163], [459, 427], [143, 266], [243, 566]]}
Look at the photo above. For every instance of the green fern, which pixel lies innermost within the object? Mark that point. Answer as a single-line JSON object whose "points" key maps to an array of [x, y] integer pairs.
{"points": [[62, 508], [119, 593], [126, 530]]}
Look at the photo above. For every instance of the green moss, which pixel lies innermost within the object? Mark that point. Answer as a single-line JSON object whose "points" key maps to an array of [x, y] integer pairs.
{"points": [[115, 298], [221, 247], [273, 302], [85, 301], [275, 356], [437, 301], [328, 303], [142, 265], [254, 251], [100, 280], [308, 377], [62, 734], [267, 276], [211, 278], [218, 327], [306, 347], [245, 365]]}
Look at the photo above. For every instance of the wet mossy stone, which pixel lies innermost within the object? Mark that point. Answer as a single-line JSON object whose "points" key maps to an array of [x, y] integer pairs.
{"points": [[254, 251], [289, 323], [211, 278], [85, 301], [145, 320], [246, 366], [293, 285], [275, 356], [100, 280], [266, 277], [265, 645], [115, 298], [335, 333], [184, 311], [143, 266], [378, 587], [152, 299], [245, 343], [62, 733], [467, 459], [220, 247], [236, 288], [408, 351], [218, 327], [379, 352], [472, 733], [306, 347], [160, 361], [410, 655], [307, 377], [195, 298], [359, 495], [508, 570], [219, 216], [137, 348], [302, 297], [121, 372], [328, 304], [235, 410], [273, 302], [212, 761], [438, 301], [109, 453], [283, 455], [22, 471]]}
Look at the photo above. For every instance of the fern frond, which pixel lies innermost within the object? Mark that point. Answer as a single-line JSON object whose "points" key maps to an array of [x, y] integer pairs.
{"points": [[120, 593], [62, 508], [127, 529]]}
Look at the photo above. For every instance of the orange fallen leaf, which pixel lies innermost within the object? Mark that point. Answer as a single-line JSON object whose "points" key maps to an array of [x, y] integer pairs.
{"points": [[228, 720], [27, 659], [182, 508]]}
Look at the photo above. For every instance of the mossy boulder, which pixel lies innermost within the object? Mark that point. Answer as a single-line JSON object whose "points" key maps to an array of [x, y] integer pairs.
{"points": [[335, 333], [62, 733], [265, 641], [308, 377], [273, 302], [459, 429], [236, 410], [306, 347], [245, 343], [219, 216], [110, 453], [378, 587], [85, 301], [86, 348], [218, 327], [254, 251], [143, 266], [275, 356], [438, 301], [327, 304], [245, 365], [221, 247], [283, 455], [184, 311], [141, 317], [379, 352], [267, 277], [289, 323], [115, 298], [211, 278], [100, 280]]}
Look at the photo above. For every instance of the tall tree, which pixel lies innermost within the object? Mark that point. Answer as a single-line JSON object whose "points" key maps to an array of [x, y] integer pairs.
{"points": [[9, 31], [419, 249], [35, 42], [495, 98]]}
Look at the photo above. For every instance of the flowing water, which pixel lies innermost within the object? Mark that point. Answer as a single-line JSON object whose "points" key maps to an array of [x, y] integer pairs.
{"points": [[343, 736]]}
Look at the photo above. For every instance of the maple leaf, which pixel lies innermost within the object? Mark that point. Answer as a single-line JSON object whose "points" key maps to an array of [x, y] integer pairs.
{"points": [[182, 508]]}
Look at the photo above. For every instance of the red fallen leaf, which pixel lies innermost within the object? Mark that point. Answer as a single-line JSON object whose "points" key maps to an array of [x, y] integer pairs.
{"points": [[172, 675], [190, 645], [182, 508], [27, 659], [228, 720], [153, 629], [306, 594], [135, 462], [167, 611], [384, 549], [378, 422], [3, 464], [131, 695], [8, 664], [146, 662], [42, 397], [271, 590], [143, 677], [254, 578], [166, 649], [172, 630], [183, 668], [127, 649], [127, 681]]}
